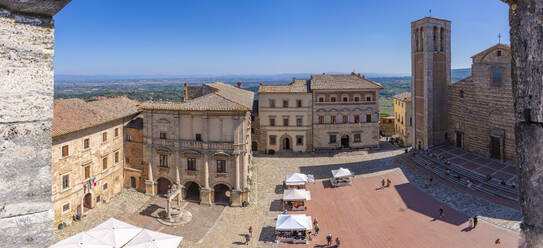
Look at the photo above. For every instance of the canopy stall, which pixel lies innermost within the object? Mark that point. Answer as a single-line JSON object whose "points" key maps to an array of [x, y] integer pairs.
{"points": [[114, 232], [341, 177], [147, 238], [294, 199], [295, 228], [295, 181], [81, 240]]}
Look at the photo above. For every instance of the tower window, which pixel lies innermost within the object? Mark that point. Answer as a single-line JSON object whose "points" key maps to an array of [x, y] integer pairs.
{"points": [[497, 77], [461, 93]]}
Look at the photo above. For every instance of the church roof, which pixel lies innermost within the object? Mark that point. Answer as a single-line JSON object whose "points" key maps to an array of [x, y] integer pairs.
{"points": [[216, 96], [70, 115], [342, 81], [404, 96], [492, 48]]}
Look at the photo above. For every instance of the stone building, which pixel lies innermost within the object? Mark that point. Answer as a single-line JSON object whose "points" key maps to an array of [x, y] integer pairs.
{"points": [[431, 75], [386, 126], [134, 167], [345, 111], [87, 153], [285, 117], [202, 144], [403, 122], [481, 117], [322, 112]]}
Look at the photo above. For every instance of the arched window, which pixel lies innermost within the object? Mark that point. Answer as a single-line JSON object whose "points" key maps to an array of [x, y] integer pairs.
{"points": [[416, 39], [441, 39], [421, 33], [497, 77], [435, 40]]}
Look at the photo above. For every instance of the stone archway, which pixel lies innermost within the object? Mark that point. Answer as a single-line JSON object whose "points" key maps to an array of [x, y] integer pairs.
{"points": [[192, 192], [87, 201], [286, 143], [345, 141], [163, 186], [133, 182], [254, 146], [221, 194]]}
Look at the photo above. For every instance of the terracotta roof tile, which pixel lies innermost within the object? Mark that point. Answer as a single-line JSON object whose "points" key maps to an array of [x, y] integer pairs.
{"points": [[342, 81], [404, 96], [296, 86]]}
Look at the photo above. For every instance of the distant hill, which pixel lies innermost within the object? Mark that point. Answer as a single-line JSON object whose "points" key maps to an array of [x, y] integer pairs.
{"points": [[459, 74]]}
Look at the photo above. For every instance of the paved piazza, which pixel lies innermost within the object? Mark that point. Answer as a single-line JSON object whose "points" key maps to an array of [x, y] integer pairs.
{"points": [[224, 226]]}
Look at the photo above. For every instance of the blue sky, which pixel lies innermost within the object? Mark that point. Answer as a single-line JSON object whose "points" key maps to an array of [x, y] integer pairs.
{"points": [[179, 37]]}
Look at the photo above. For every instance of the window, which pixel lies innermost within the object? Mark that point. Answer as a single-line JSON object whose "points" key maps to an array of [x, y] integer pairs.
{"points": [[497, 77], [221, 166], [104, 163], [116, 157], [65, 181], [410, 121], [357, 99], [356, 138], [357, 119], [368, 118], [272, 103], [299, 103], [272, 122], [252, 130], [333, 119], [368, 98], [321, 119], [345, 119], [299, 122], [285, 104], [87, 172], [104, 137], [285, 122], [299, 140], [198, 137], [163, 160], [116, 132], [345, 99], [273, 140], [332, 139], [191, 164], [163, 135], [128, 138], [461, 93], [66, 207], [127, 160], [104, 187], [321, 99], [65, 151], [86, 143], [499, 53], [333, 99], [98, 199]]}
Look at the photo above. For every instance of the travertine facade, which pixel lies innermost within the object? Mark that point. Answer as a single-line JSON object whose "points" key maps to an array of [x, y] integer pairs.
{"points": [[202, 144], [26, 100], [285, 117], [481, 117], [88, 153], [431, 75], [323, 112], [403, 122]]}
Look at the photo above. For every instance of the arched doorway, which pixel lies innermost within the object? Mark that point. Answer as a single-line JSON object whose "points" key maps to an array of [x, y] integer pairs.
{"points": [[87, 201], [345, 141], [192, 192], [132, 182], [254, 146], [286, 143], [163, 186], [221, 195]]}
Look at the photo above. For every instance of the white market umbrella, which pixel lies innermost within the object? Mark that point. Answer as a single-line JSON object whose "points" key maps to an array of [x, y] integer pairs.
{"points": [[296, 194], [293, 222], [81, 240], [150, 239], [114, 232], [341, 172], [296, 179]]}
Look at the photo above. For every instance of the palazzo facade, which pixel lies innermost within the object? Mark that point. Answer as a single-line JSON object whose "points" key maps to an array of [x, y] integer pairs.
{"points": [[202, 144]]}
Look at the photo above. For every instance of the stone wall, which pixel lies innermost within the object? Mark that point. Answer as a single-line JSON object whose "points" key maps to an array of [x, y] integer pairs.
{"points": [[26, 97], [133, 151]]}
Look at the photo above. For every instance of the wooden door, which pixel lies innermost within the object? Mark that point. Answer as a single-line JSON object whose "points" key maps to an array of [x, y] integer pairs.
{"points": [[495, 147]]}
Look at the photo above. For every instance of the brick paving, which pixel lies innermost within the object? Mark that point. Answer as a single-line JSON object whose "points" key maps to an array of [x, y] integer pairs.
{"points": [[366, 215], [226, 228]]}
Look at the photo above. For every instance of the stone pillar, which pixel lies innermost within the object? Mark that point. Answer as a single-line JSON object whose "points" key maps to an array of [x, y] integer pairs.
{"points": [[236, 192], [150, 183], [26, 97], [244, 173], [236, 160], [205, 192]]}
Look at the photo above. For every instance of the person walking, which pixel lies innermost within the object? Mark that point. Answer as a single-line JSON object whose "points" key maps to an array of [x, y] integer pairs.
{"points": [[251, 231], [388, 182], [247, 239], [441, 212], [317, 228], [475, 221], [315, 221], [337, 241], [329, 239], [383, 183], [470, 222]]}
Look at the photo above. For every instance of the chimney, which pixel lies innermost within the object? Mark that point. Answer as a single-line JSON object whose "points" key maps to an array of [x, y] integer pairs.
{"points": [[239, 85], [186, 96]]}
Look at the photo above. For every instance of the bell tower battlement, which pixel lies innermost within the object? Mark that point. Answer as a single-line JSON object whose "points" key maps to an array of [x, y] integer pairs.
{"points": [[430, 76]]}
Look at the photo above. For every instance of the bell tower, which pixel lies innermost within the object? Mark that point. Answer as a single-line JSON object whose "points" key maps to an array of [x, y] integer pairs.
{"points": [[430, 76]]}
